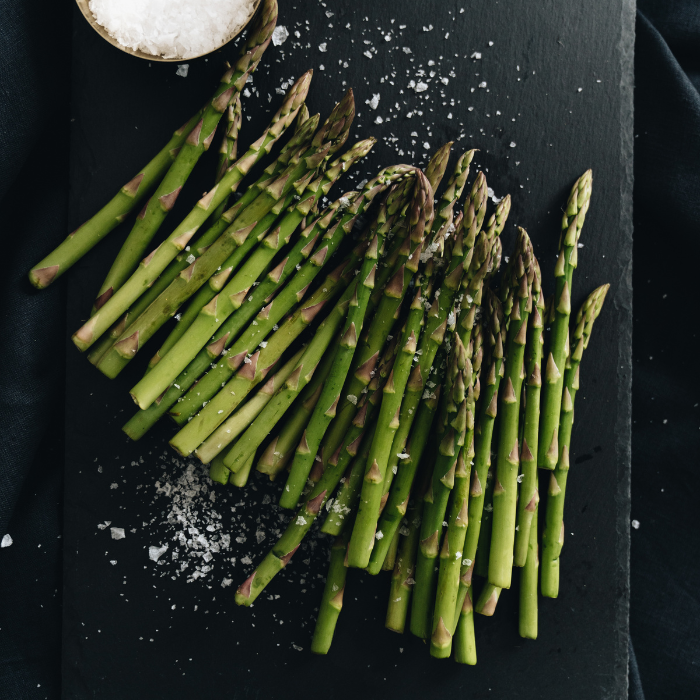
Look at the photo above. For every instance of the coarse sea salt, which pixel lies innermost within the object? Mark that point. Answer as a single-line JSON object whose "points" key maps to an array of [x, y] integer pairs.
{"points": [[172, 28]]}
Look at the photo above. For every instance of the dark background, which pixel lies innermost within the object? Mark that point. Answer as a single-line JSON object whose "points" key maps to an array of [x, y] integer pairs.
{"points": [[35, 74]]}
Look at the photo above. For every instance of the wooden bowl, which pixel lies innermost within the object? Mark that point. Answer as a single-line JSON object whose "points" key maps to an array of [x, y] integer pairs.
{"points": [[85, 9]]}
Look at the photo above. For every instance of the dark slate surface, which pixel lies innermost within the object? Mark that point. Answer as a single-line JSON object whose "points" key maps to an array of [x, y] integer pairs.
{"points": [[136, 629]]}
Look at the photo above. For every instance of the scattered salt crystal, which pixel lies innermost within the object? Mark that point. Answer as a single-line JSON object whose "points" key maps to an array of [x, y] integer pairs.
{"points": [[117, 533], [512, 144], [476, 55], [352, 399], [635, 525], [379, 534], [466, 562], [482, 84], [420, 86], [173, 29], [6, 541], [226, 582], [191, 258], [378, 120], [520, 478], [279, 35], [182, 70], [374, 102], [368, 54], [155, 553]]}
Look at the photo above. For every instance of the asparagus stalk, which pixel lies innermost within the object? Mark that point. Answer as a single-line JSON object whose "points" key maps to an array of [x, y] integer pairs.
{"points": [[455, 419], [233, 294], [402, 577], [529, 495], [464, 639], [153, 264], [494, 336], [572, 222], [228, 431], [365, 528], [527, 614], [332, 600], [488, 599], [281, 448], [481, 564], [240, 478], [505, 491], [163, 200], [356, 445], [229, 142], [113, 213], [395, 507], [250, 373], [301, 138], [325, 409], [346, 499], [553, 533], [445, 612]]}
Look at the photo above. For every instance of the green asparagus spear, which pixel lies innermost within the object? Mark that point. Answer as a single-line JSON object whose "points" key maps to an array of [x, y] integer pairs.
{"points": [[527, 614], [572, 222], [553, 533]]}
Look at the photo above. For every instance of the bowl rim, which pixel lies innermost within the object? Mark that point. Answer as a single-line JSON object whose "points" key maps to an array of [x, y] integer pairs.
{"points": [[83, 6]]}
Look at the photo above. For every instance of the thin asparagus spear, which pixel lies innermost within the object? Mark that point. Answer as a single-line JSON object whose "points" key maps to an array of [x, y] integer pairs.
{"points": [[390, 560], [153, 264], [281, 448], [234, 292], [464, 639], [301, 138], [494, 331], [235, 425], [345, 501], [505, 491], [527, 614], [454, 419], [365, 528], [113, 213], [163, 200], [488, 599], [240, 479], [553, 533], [453, 542], [572, 222], [229, 142], [395, 507], [402, 577], [325, 409], [481, 563], [332, 600], [529, 496]]}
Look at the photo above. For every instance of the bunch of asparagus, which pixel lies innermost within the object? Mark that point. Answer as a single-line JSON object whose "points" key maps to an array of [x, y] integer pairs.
{"points": [[346, 379]]}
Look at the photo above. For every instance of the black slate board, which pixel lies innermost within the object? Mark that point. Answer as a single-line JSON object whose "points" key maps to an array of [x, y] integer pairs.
{"points": [[135, 629]]}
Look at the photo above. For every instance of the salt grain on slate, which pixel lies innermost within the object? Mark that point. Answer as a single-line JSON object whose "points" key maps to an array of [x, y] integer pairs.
{"points": [[6, 541]]}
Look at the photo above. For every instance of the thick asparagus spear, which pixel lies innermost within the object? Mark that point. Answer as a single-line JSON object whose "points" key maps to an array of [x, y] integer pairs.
{"points": [[572, 222], [332, 600], [281, 448], [163, 200], [325, 409], [527, 613], [488, 599], [301, 137], [153, 264], [365, 528], [234, 292], [505, 491], [553, 533], [235, 425], [529, 496]]}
